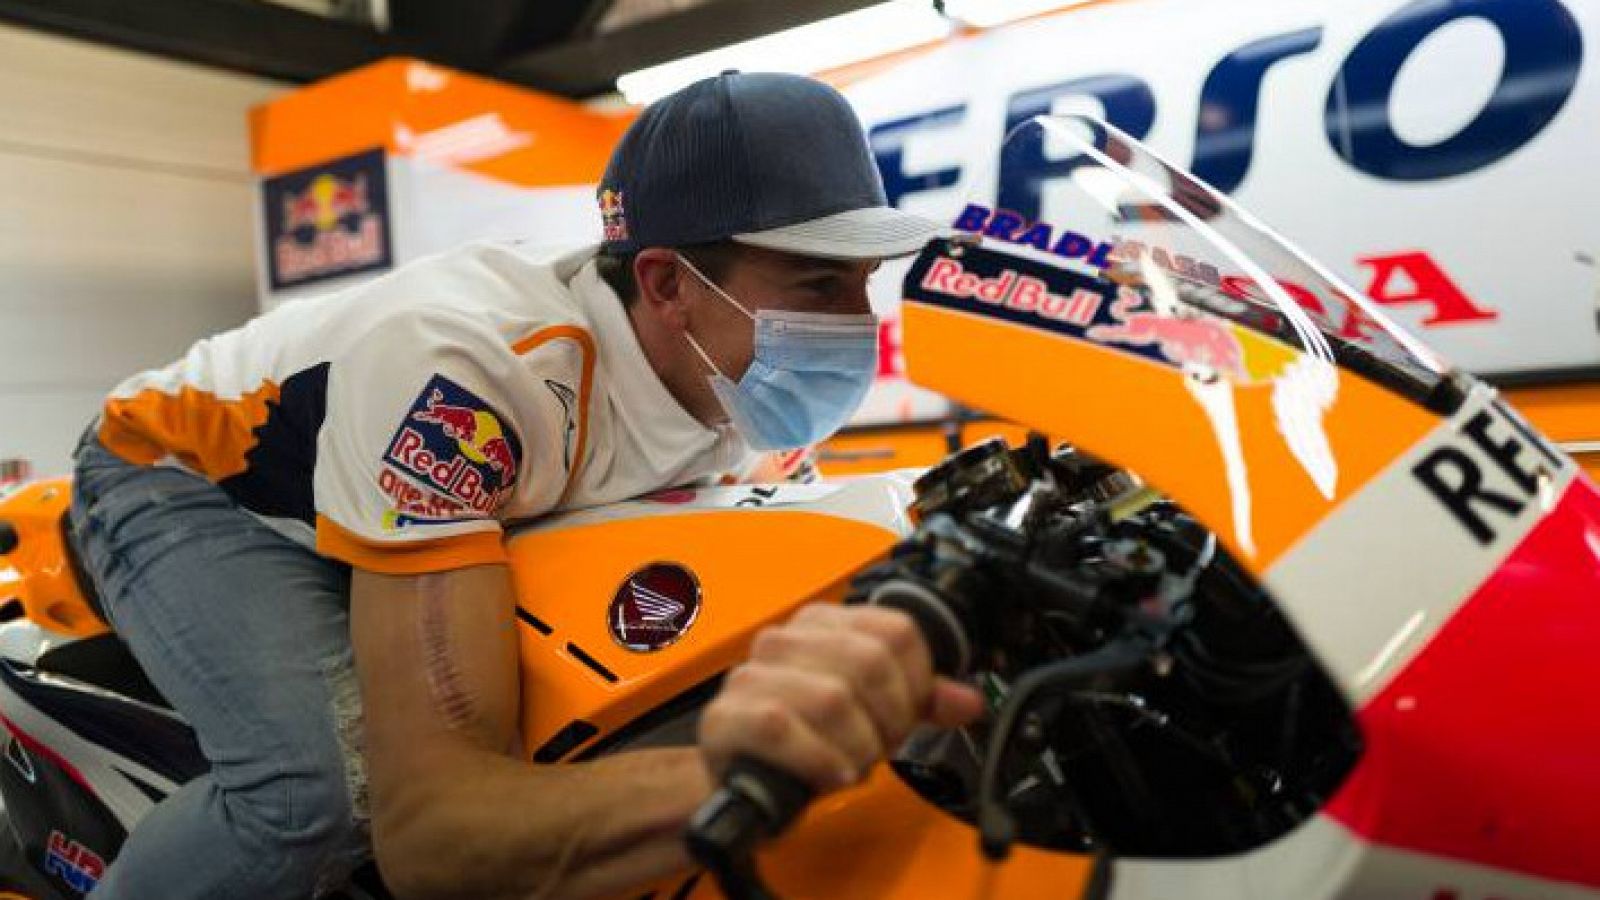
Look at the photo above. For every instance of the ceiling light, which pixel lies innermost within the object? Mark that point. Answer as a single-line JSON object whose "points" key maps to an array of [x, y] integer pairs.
{"points": [[989, 13], [825, 44]]}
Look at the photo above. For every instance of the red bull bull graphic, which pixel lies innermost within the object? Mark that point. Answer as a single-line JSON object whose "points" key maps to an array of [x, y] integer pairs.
{"points": [[613, 217], [457, 449], [329, 221], [1197, 340]]}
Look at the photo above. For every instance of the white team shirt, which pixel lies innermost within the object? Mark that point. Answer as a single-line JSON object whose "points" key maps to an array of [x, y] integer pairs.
{"points": [[404, 421]]}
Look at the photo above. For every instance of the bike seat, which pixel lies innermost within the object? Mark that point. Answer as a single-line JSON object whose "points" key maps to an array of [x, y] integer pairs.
{"points": [[105, 662]]}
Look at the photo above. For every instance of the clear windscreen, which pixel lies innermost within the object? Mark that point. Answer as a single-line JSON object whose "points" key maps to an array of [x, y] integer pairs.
{"points": [[1197, 282]]}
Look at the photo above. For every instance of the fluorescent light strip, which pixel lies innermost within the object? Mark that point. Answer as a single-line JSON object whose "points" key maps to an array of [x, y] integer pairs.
{"points": [[989, 13], [873, 31], [826, 44]]}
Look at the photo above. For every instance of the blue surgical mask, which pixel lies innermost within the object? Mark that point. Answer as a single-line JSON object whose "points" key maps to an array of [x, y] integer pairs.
{"points": [[810, 372]]}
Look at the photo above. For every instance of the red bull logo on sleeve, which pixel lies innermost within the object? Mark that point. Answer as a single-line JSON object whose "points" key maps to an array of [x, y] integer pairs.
{"points": [[72, 862], [451, 442], [327, 221]]}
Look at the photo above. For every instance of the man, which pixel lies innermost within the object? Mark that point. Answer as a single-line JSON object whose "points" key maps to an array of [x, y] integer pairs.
{"points": [[335, 474]]}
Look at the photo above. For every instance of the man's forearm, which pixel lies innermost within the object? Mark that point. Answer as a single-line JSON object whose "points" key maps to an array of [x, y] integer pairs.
{"points": [[504, 828]]}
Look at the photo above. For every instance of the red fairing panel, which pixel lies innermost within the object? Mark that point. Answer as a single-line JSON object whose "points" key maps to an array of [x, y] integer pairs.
{"points": [[1486, 747]]}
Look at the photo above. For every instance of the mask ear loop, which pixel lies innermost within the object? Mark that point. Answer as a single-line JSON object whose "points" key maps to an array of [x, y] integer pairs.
{"points": [[715, 288], [703, 355]]}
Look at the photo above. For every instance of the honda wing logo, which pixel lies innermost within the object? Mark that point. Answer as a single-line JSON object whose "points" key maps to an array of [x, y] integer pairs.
{"points": [[654, 607]]}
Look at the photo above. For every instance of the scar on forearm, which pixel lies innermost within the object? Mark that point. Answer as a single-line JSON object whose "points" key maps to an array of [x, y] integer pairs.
{"points": [[445, 682]]}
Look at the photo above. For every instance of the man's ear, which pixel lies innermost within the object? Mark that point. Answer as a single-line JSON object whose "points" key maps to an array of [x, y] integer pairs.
{"points": [[661, 283]]}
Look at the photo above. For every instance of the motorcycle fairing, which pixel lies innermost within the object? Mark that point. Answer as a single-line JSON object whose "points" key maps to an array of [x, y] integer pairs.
{"points": [[39, 572], [1483, 746], [1387, 568], [743, 546], [82, 765], [755, 564], [1403, 519], [126, 754], [1136, 407], [1324, 859]]}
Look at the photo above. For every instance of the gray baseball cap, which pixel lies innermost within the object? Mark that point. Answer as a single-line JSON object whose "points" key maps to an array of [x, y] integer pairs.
{"points": [[766, 159]]}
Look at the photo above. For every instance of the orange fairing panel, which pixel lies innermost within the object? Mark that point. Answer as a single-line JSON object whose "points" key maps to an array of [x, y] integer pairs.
{"points": [[1146, 417], [38, 572], [753, 567], [882, 842], [411, 108]]}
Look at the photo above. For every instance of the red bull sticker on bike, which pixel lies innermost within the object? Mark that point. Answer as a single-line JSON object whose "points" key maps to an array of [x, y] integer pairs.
{"points": [[1094, 310], [458, 449], [327, 221]]}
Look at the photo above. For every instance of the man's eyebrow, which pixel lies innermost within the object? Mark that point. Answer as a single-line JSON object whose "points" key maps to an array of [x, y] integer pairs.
{"points": [[817, 265]]}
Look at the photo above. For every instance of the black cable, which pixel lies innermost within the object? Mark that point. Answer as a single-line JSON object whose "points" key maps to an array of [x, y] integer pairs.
{"points": [[1101, 878], [996, 828]]}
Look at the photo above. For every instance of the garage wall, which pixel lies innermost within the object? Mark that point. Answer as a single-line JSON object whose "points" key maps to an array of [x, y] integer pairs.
{"points": [[126, 226]]}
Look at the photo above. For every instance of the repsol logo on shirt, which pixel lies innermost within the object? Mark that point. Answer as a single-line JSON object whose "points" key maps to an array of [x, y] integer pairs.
{"points": [[1490, 475]]}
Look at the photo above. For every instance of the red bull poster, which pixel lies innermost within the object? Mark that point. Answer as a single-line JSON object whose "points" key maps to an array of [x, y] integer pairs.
{"points": [[452, 458], [328, 221]]}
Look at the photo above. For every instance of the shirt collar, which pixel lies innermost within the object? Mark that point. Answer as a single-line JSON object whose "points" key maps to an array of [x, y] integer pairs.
{"points": [[644, 406]]}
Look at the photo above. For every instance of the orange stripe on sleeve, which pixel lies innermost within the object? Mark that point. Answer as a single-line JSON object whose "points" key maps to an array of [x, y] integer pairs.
{"points": [[409, 557], [585, 342], [206, 433]]}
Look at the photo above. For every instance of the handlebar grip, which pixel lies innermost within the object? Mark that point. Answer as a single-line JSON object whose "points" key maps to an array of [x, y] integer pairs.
{"points": [[756, 802]]}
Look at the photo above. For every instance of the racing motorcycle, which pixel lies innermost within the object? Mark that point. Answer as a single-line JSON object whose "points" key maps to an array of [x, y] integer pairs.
{"points": [[1292, 609]]}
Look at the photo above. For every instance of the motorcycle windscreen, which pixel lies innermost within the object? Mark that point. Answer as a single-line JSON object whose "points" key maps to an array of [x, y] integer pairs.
{"points": [[1112, 300]]}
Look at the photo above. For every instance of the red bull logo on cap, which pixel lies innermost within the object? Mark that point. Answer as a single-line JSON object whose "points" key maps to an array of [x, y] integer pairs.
{"points": [[613, 218], [452, 442]]}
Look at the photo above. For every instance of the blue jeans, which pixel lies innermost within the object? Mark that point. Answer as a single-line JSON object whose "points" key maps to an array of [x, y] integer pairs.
{"points": [[247, 633]]}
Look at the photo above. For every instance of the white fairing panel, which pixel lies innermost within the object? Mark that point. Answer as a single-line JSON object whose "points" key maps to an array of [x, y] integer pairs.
{"points": [[1321, 860], [879, 500]]}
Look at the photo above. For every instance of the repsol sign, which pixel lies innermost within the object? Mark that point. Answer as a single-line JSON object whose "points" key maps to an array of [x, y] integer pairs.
{"points": [[1489, 477], [1543, 55]]}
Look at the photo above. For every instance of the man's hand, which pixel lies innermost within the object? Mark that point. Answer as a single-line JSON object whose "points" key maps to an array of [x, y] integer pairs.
{"points": [[829, 693]]}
